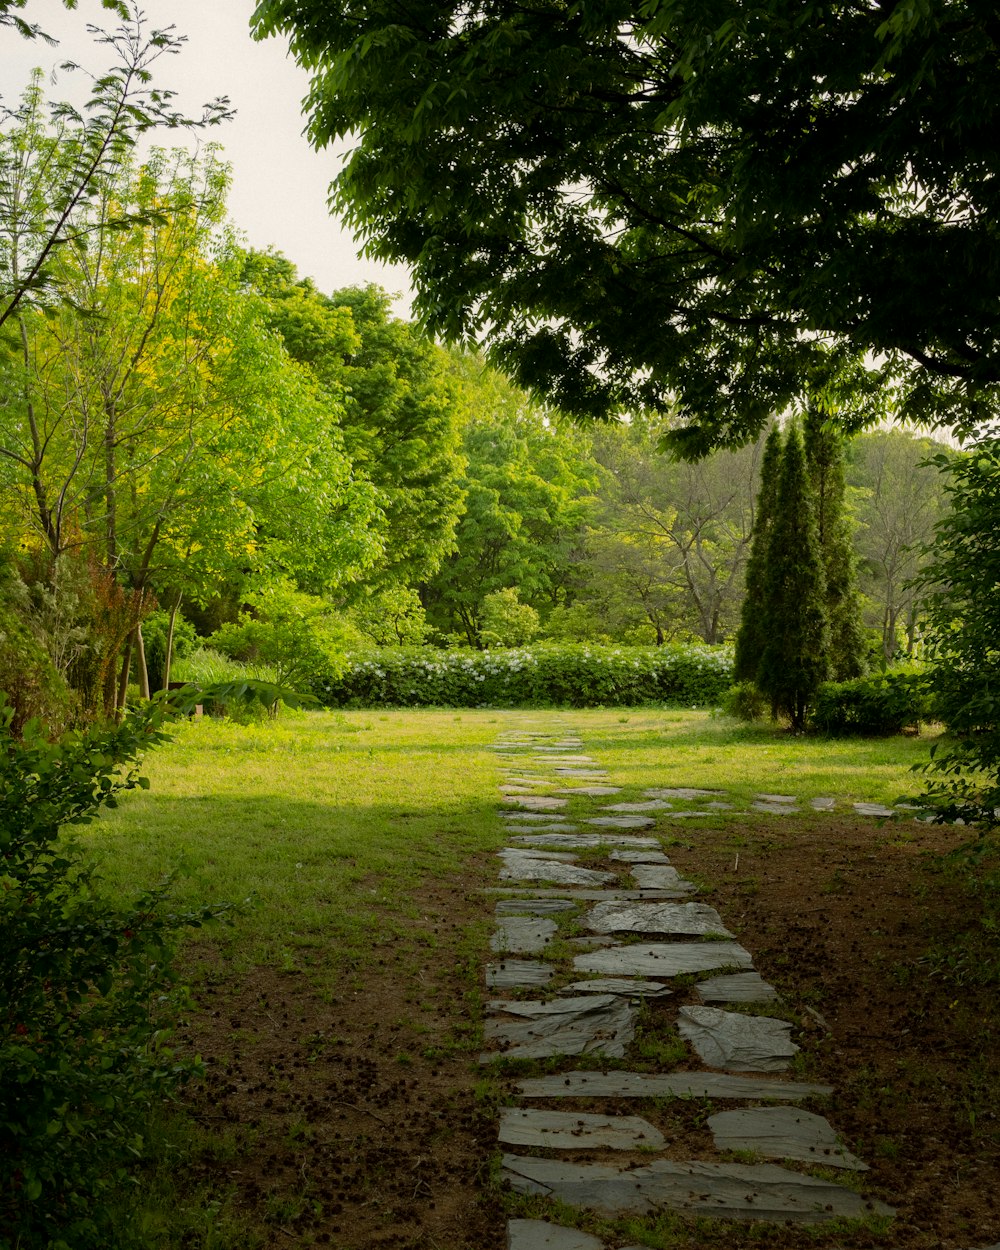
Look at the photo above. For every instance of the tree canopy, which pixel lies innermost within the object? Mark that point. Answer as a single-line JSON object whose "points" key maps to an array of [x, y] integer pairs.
{"points": [[735, 206]]}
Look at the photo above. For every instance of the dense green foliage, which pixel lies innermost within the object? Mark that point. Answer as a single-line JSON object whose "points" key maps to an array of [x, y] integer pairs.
{"points": [[963, 640], [575, 676], [728, 203], [881, 704], [751, 635], [86, 993], [795, 655]]}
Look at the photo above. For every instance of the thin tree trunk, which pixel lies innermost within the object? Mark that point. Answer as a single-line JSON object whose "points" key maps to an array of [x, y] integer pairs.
{"points": [[168, 659], [123, 679], [142, 672]]}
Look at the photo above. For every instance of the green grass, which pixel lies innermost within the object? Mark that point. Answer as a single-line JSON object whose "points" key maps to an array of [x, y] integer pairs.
{"points": [[326, 820]]}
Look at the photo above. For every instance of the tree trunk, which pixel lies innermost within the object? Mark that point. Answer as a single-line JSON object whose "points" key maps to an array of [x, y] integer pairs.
{"points": [[168, 657], [123, 679], [140, 655]]}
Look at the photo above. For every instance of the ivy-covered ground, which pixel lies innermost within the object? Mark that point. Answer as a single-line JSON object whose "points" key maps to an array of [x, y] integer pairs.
{"points": [[340, 1021]]}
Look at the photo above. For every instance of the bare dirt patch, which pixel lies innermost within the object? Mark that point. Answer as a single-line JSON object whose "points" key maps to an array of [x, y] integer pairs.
{"points": [[353, 1117]]}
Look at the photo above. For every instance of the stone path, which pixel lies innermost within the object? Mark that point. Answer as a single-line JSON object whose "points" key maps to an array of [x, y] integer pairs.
{"points": [[587, 891]]}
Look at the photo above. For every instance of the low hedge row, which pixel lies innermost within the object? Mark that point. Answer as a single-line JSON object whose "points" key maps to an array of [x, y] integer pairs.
{"points": [[576, 676], [884, 703]]}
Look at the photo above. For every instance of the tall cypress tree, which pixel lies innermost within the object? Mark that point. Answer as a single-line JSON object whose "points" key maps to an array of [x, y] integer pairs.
{"points": [[794, 659], [750, 638], [825, 459]]}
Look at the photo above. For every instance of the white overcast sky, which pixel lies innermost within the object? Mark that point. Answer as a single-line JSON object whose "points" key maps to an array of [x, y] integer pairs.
{"points": [[279, 190]]}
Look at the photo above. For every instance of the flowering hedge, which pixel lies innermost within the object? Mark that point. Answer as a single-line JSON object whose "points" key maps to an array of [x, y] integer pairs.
{"points": [[577, 676]]}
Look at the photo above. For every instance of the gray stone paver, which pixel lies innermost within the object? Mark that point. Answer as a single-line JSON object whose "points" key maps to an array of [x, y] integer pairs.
{"points": [[783, 1133], [597, 1016], [737, 1042], [574, 1130], [665, 959], [734, 1191]]}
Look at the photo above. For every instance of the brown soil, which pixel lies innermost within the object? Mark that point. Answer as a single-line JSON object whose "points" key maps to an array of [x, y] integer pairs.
{"points": [[352, 1120]]}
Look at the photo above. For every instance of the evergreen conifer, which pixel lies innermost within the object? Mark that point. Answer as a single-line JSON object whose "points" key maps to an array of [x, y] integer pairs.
{"points": [[825, 460], [794, 659], [750, 638]]}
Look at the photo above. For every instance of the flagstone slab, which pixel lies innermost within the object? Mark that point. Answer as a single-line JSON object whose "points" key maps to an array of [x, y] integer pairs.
{"points": [[571, 1130], [560, 826], [533, 852], [873, 809], [588, 774], [589, 1024], [665, 959], [777, 798], [661, 877], [641, 857], [513, 974], [822, 804], [540, 1235], [783, 1133], [679, 792], [591, 792], [680, 919], [668, 1085], [542, 819], [621, 822], [571, 761], [537, 802], [737, 1042], [735, 1191], [649, 805], [685, 815], [522, 935], [585, 840], [739, 987], [524, 867], [626, 986], [534, 906], [591, 943], [775, 809], [584, 895]]}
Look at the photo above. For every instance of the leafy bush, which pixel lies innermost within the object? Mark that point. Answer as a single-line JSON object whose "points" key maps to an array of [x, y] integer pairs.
{"points": [[745, 702], [85, 992], [155, 629], [579, 676], [506, 621], [885, 703], [30, 681]]}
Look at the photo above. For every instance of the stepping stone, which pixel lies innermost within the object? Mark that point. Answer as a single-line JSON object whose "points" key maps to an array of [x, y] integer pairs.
{"points": [[873, 809], [682, 919], [589, 774], [537, 802], [719, 807], [650, 805], [783, 1133], [740, 1043], [561, 826], [585, 840], [741, 987], [570, 1130], [563, 758], [592, 943], [823, 805], [735, 1191], [684, 815], [775, 809], [660, 877], [600, 1024], [540, 1235], [622, 822], [522, 935], [534, 906], [640, 857], [667, 1085], [680, 792], [585, 895], [543, 819], [526, 779], [515, 974], [618, 985], [665, 959], [523, 867], [530, 852], [593, 792], [777, 798]]}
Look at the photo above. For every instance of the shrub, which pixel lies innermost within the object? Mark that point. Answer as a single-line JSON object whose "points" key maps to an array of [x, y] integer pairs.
{"points": [[85, 992], [885, 703], [745, 702], [155, 629], [579, 676], [506, 621]]}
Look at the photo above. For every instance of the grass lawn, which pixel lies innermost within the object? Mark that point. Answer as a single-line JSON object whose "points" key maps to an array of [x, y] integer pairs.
{"points": [[340, 1014]]}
